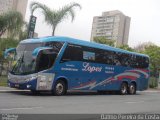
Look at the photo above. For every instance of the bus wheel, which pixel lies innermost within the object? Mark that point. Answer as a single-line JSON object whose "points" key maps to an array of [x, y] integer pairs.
{"points": [[132, 89], [123, 89], [60, 88]]}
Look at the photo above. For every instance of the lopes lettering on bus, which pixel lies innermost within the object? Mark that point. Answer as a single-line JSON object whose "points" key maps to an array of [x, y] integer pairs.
{"points": [[89, 68]]}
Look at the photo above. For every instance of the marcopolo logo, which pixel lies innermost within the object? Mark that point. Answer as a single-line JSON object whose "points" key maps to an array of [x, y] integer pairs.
{"points": [[89, 68]]}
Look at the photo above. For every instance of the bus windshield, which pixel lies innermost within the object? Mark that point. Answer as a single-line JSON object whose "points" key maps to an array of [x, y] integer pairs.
{"points": [[25, 63]]}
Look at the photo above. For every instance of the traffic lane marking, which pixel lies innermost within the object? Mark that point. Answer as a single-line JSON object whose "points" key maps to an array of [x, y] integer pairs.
{"points": [[132, 102], [23, 108]]}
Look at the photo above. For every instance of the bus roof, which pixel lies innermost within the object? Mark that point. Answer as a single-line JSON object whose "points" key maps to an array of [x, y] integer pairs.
{"points": [[79, 42]]}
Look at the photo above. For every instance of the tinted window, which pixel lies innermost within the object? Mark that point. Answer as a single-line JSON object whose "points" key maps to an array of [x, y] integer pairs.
{"points": [[89, 54], [72, 53], [104, 56], [46, 58], [55, 45]]}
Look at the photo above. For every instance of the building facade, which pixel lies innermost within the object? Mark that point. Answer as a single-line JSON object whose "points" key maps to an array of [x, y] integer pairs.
{"points": [[17, 5], [113, 25]]}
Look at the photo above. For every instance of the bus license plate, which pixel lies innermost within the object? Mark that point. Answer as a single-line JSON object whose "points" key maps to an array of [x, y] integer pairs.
{"points": [[16, 85]]}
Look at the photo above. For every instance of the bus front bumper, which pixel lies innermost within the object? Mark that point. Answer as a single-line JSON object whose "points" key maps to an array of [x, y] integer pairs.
{"points": [[28, 82], [31, 85]]}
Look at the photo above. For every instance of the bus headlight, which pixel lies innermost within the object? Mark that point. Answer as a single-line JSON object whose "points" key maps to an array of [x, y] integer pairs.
{"points": [[28, 86]]}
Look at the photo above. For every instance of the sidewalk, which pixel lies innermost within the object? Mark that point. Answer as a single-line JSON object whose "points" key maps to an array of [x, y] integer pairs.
{"points": [[152, 90], [7, 89]]}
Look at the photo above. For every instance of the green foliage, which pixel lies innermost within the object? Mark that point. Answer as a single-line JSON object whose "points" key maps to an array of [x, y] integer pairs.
{"points": [[11, 21], [3, 80], [7, 43], [153, 82], [153, 52], [23, 33], [126, 47], [103, 40], [54, 17]]}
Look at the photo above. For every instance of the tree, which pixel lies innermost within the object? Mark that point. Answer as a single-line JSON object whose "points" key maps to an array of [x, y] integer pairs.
{"points": [[154, 53], [126, 47], [54, 17], [23, 32], [7, 43], [11, 21], [104, 40]]}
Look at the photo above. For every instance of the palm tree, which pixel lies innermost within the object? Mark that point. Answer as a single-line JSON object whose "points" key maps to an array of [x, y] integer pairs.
{"points": [[23, 33], [54, 17], [11, 21]]}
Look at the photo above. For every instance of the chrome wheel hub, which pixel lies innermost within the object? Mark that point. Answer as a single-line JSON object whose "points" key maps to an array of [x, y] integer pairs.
{"points": [[132, 89], [59, 88]]}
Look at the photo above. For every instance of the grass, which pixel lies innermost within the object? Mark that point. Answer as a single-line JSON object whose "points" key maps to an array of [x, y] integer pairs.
{"points": [[3, 80]]}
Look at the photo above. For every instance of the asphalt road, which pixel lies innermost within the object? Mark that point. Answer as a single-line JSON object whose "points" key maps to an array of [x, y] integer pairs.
{"points": [[88, 103]]}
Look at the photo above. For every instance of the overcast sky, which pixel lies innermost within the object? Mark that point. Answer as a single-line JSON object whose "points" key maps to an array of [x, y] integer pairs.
{"points": [[144, 27]]}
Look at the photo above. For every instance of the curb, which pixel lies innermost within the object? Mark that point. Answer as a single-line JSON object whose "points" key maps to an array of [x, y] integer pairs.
{"points": [[7, 89], [152, 91], [14, 90]]}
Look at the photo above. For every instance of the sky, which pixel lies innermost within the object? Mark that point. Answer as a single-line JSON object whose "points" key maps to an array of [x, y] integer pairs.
{"points": [[144, 26]]}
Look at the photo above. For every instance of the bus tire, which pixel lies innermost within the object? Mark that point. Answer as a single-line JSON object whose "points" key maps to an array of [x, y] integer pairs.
{"points": [[132, 89], [59, 88], [123, 88]]}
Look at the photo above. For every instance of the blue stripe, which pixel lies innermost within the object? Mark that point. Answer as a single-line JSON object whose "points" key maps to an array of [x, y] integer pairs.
{"points": [[79, 42]]}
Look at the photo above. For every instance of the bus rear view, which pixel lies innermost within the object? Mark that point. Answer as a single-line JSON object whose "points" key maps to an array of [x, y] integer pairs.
{"points": [[58, 64]]}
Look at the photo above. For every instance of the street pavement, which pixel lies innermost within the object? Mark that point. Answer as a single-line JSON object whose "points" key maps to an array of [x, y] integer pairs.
{"points": [[19, 102]]}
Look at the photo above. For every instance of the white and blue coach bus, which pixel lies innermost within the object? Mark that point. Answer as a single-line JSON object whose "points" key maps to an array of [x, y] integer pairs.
{"points": [[59, 64]]}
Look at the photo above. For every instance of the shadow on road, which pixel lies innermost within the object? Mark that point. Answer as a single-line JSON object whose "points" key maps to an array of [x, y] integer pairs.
{"points": [[70, 93]]}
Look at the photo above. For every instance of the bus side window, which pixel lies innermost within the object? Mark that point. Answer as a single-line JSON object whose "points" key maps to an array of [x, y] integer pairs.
{"points": [[139, 61], [104, 57], [90, 56], [55, 45], [45, 61], [72, 53], [143, 62]]}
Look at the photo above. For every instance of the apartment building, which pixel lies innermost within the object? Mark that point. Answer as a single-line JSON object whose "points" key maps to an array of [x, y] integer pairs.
{"points": [[18, 5], [113, 25]]}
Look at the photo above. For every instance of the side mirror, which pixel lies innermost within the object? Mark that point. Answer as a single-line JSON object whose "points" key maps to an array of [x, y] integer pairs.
{"points": [[8, 51], [38, 50]]}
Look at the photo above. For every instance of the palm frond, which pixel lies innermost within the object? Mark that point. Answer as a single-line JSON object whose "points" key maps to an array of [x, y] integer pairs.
{"points": [[54, 17], [37, 5], [68, 10]]}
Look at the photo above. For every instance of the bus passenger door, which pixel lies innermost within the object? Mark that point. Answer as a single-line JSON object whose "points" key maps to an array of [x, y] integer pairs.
{"points": [[69, 66], [45, 57]]}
